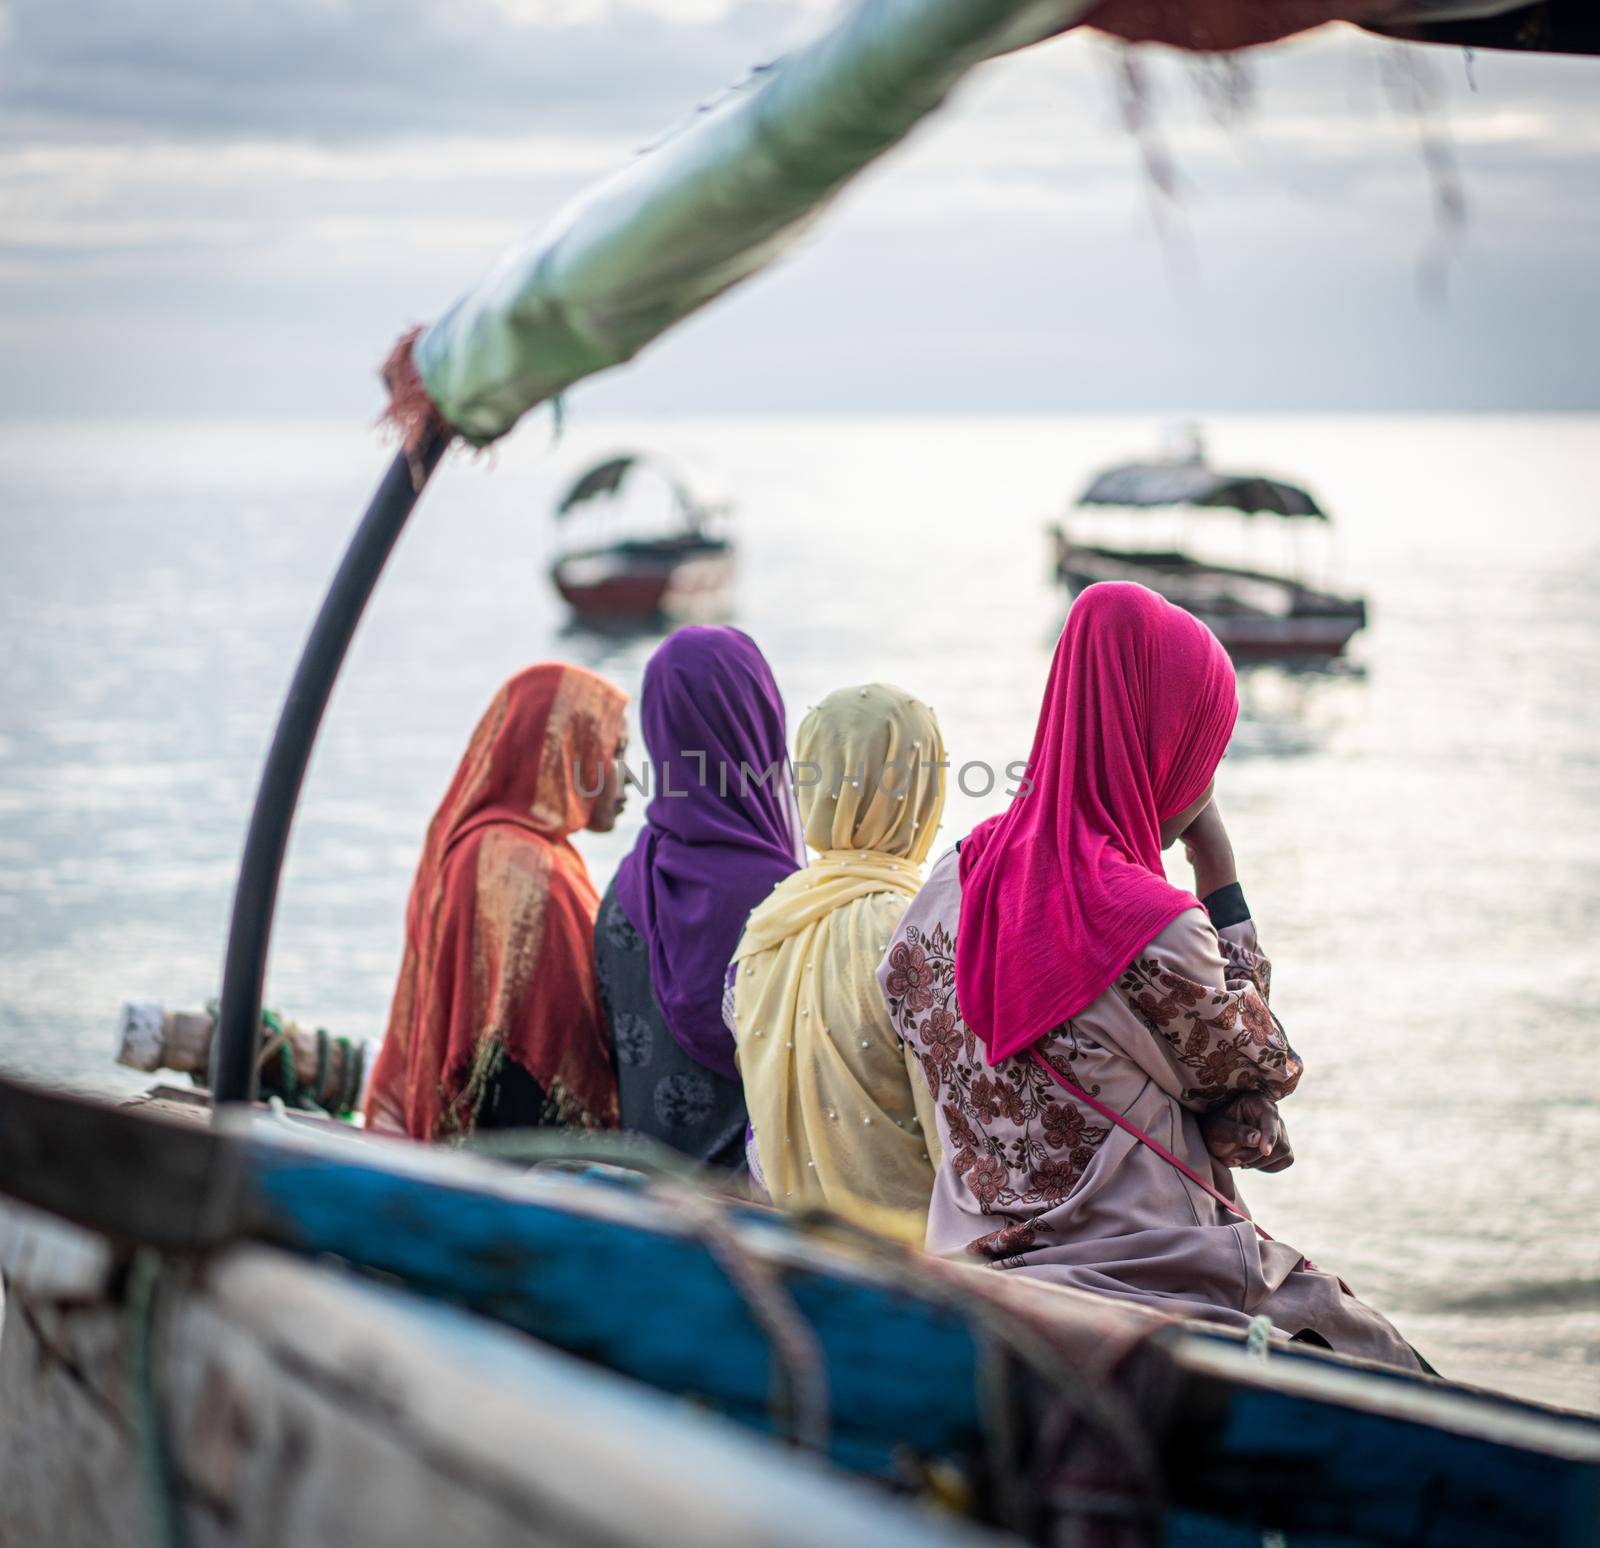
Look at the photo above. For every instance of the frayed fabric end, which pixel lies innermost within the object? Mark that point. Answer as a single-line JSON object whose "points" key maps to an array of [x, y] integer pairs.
{"points": [[411, 413]]}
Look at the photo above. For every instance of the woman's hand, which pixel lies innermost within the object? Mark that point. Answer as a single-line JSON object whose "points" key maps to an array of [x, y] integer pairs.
{"points": [[1209, 851], [1248, 1133]]}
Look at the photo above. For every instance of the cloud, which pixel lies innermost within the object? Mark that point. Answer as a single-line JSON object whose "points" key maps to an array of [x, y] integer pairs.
{"points": [[365, 69], [236, 205]]}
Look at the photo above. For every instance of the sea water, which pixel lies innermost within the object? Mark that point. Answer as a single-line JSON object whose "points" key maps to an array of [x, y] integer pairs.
{"points": [[1417, 831]]}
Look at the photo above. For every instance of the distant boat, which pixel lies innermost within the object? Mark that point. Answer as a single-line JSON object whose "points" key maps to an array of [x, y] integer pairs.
{"points": [[682, 572], [1257, 614]]}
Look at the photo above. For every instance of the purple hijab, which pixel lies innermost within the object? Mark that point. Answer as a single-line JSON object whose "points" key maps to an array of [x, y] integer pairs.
{"points": [[713, 844]]}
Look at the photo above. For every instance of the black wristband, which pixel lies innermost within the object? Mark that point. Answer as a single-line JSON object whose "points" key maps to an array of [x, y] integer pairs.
{"points": [[1226, 906]]}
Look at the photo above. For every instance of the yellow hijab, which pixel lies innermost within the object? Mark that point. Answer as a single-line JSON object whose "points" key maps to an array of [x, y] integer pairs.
{"points": [[842, 1117]]}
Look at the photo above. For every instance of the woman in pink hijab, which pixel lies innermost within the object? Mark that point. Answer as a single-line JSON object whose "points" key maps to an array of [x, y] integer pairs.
{"points": [[1098, 1042]]}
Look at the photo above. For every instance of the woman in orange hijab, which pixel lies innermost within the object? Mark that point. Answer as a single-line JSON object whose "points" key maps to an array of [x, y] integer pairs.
{"points": [[496, 1020]]}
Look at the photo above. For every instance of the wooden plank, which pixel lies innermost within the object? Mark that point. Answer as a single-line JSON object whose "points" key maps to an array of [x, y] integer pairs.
{"points": [[564, 1258], [66, 1467], [903, 1366], [129, 1175], [1279, 1441], [303, 1405], [649, 1467]]}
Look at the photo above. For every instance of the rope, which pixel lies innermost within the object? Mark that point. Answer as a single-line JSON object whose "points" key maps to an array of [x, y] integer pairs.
{"points": [[1002, 1436], [803, 1409], [324, 1053], [1257, 1343], [152, 1458], [1258, 1339], [800, 1405], [1005, 1337], [278, 1045], [1100, 1408], [351, 1070]]}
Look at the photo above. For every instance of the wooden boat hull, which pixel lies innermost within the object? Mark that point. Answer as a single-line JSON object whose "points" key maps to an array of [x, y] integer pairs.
{"points": [[1256, 616], [298, 1403], [925, 1368], [640, 582]]}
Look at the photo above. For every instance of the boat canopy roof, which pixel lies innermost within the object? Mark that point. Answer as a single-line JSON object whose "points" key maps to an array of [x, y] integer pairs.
{"points": [[1149, 485], [604, 478]]}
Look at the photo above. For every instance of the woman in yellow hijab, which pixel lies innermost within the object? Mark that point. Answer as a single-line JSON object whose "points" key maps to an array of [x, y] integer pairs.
{"points": [[840, 1114]]}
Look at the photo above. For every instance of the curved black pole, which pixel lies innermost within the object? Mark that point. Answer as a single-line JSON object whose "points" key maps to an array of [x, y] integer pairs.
{"points": [[233, 1049]]}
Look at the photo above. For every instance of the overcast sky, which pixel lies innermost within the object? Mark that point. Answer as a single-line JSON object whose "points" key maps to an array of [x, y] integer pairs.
{"points": [[233, 206]]}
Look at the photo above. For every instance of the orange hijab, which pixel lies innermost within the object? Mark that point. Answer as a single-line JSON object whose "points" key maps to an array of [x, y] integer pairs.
{"points": [[499, 959]]}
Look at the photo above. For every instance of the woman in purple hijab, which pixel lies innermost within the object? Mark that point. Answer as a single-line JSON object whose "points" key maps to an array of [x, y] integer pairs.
{"points": [[720, 832]]}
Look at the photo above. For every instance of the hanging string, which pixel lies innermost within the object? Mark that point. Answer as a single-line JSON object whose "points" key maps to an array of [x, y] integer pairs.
{"points": [[152, 1456]]}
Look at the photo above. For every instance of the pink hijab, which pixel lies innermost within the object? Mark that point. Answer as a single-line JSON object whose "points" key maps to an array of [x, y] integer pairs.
{"points": [[1060, 892]]}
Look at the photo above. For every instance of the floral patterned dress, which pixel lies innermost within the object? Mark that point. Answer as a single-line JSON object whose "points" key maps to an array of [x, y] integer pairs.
{"points": [[1033, 1180]]}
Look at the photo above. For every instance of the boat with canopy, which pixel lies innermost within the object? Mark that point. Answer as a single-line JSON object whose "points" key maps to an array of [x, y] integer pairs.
{"points": [[681, 573], [1257, 614], [231, 1324]]}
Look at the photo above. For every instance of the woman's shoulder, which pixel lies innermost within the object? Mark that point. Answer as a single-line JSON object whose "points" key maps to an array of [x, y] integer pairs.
{"points": [[484, 858], [1188, 945], [939, 897], [503, 842], [927, 928], [612, 927], [885, 906], [512, 865], [1206, 941]]}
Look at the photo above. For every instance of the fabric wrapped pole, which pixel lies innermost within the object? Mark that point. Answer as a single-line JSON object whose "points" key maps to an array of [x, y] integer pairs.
{"points": [[733, 190], [710, 206]]}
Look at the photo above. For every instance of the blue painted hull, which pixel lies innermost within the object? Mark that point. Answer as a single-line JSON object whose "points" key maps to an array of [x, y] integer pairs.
{"points": [[928, 1371], [1371, 1457]]}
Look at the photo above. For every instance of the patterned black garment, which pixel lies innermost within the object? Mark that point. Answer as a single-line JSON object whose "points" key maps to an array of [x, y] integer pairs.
{"points": [[663, 1092]]}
